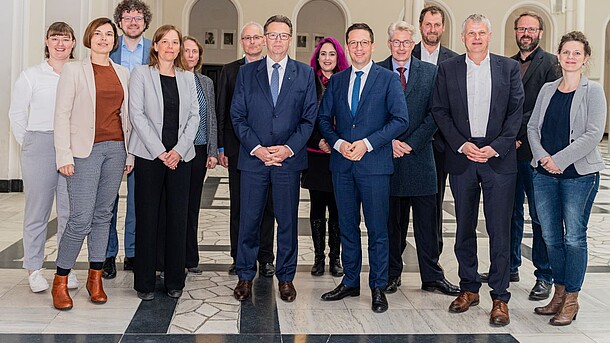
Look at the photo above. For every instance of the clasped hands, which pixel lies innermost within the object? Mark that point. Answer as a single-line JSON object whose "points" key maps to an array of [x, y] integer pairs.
{"points": [[273, 155], [353, 151], [473, 153], [549, 165], [399, 149], [170, 159]]}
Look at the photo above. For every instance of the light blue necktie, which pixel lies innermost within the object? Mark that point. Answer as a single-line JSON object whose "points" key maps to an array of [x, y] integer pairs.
{"points": [[356, 92], [202, 131], [275, 82]]}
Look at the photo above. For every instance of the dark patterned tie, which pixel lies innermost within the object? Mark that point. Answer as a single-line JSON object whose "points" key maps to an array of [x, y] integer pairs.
{"points": [[201, 136], [403, 79], [275, 82], [356, 92]]}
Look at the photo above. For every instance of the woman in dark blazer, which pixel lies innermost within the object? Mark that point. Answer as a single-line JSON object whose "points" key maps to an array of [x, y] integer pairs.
{"points": [[564, 131], [328, 58], [165, 118]]}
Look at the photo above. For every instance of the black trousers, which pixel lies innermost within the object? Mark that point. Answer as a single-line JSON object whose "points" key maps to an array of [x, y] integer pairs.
{"points": [[265, 252], [318, 202], [198, 170], [424, 230], [441, 183], [160, 190]]}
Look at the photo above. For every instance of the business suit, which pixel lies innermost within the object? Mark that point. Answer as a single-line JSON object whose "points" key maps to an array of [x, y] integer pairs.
{"points": [[229, 141], [438, 144], [413, 184], [153, 178], [497, 175], [258, 122], [98, 166], [381, 115]]}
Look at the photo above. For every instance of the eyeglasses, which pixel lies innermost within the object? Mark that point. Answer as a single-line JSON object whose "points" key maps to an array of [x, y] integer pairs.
{"points": [[528, 29], [363, 43], [276, 35], [406, 43], [130, 19], [252, 38]]}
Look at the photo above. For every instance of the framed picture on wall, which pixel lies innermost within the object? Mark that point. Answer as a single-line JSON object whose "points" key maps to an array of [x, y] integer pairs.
{"points": [[303, 42], [228, 39], [210, 38], [317, 37]]}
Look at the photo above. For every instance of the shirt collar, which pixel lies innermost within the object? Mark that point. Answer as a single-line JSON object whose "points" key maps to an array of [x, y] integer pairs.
{"points": [[396, 66], [271, 62], [140, 42], [366, 69], [530, 56], [471, 63], [436, 50]]}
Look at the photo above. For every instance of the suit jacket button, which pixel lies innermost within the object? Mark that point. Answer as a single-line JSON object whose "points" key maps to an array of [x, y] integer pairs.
{"points": [[271, 133], [353, 126]]}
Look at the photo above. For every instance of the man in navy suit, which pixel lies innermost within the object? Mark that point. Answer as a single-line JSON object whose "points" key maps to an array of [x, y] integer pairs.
{"points": [[413, 184], [362, 110], [478, 106], [273, 113]]}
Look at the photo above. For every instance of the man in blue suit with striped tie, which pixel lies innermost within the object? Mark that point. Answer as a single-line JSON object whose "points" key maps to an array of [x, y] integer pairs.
{"points": [[363, 109]]}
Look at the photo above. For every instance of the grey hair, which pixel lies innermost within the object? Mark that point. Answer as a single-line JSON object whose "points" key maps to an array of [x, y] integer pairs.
{"points": [[252, 23], [400, 26], [477, 18]]}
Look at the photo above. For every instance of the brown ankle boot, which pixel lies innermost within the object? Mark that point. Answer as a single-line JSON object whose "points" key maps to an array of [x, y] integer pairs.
{"points": [[555, 304], [568, 310], [61, 296], [95, 287]]}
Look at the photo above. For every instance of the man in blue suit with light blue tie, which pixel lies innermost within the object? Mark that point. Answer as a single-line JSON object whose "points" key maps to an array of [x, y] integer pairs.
{"points": [[363, 109], [273, 113]]}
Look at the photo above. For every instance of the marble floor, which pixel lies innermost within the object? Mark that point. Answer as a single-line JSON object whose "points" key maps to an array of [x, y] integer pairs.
{"points": [[207, 312]]}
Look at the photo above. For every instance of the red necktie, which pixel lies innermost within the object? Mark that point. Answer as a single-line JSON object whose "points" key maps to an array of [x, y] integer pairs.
{"points": [[403, 79]]}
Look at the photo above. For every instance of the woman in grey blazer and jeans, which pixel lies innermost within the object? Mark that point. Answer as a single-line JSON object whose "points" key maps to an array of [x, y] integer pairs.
{"points": [[564, 131]]}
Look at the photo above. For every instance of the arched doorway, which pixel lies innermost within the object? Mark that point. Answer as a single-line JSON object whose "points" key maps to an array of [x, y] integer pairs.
{"points": [[215, 24], [510, 46], [447, 36], [317, 19]]}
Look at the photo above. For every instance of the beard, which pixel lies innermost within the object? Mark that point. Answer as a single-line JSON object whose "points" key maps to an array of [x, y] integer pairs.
{"points": [[431, 39], [531, 46]]}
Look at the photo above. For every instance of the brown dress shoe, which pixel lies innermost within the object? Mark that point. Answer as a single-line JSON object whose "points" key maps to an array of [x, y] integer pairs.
{"points": [[61, 296], [287, 291], [499, 313], [568, 311], [95, 287], [555, 304], [243, 290], [464, 301]]}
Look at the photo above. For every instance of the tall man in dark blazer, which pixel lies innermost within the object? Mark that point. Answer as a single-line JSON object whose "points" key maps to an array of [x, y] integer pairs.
{"points": [[431, 27], [478, 106], [362, 110], [252, 41], [273, 113], [413, 184]]}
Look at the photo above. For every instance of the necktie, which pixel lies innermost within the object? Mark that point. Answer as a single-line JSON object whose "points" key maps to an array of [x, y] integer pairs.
{"points": [[275, 82], [403, 79], [201, 136], [356, 92]]}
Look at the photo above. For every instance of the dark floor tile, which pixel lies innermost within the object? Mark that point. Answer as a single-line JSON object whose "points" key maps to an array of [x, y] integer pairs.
{"points": [[242, 338], [153, 316], [501, 338], [259, 313], [41, 338]]}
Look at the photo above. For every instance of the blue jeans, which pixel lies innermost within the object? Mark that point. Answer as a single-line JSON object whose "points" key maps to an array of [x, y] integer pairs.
{"points": [[564, 207], [539, 254], [130, 224]]}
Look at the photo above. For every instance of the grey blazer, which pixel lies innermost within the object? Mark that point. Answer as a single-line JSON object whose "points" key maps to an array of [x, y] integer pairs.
{"points": [[146, 102], [212, 130], [587, 123]]}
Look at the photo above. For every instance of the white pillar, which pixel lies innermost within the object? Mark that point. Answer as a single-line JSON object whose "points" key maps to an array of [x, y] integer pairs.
{"points": [[579, 15], [418, 5]]}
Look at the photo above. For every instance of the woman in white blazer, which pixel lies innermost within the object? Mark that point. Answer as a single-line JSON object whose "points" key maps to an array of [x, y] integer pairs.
{"points": [[565, 128], [91, 136], [164, 112]]}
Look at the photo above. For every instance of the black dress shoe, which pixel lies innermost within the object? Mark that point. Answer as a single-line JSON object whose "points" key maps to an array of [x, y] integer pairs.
{"points": [[195, 270], [379, 303], [128, 263], [393, 284], [174, 293], [443, 285], [146, 296], [232, 269], [266, 269], [341, 292], [514, 277], [541, 290], [109, 268]]}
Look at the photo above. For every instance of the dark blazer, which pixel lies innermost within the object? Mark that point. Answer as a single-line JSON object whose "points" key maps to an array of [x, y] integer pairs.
{"points": [[450, 110], [381, 116], [443, 54], [115, 55], [256, 121], [226, 86], [415, 173], [542, 69]]}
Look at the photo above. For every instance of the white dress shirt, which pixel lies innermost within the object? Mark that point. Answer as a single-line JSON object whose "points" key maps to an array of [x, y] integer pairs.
{"points": [[478, 88], [33, 100], [281, 70], [430, 57]]}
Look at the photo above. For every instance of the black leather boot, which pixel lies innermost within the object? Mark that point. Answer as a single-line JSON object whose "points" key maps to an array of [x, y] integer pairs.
{"points": [[334, 243], [318, 233]]}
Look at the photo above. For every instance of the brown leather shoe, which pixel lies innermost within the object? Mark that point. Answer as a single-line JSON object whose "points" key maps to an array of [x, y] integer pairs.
{"points": [[243, 290], [61, 296], [287, 291], [499, 313], [95, 287], [568, 311], [464, 301], [555, 304]]}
